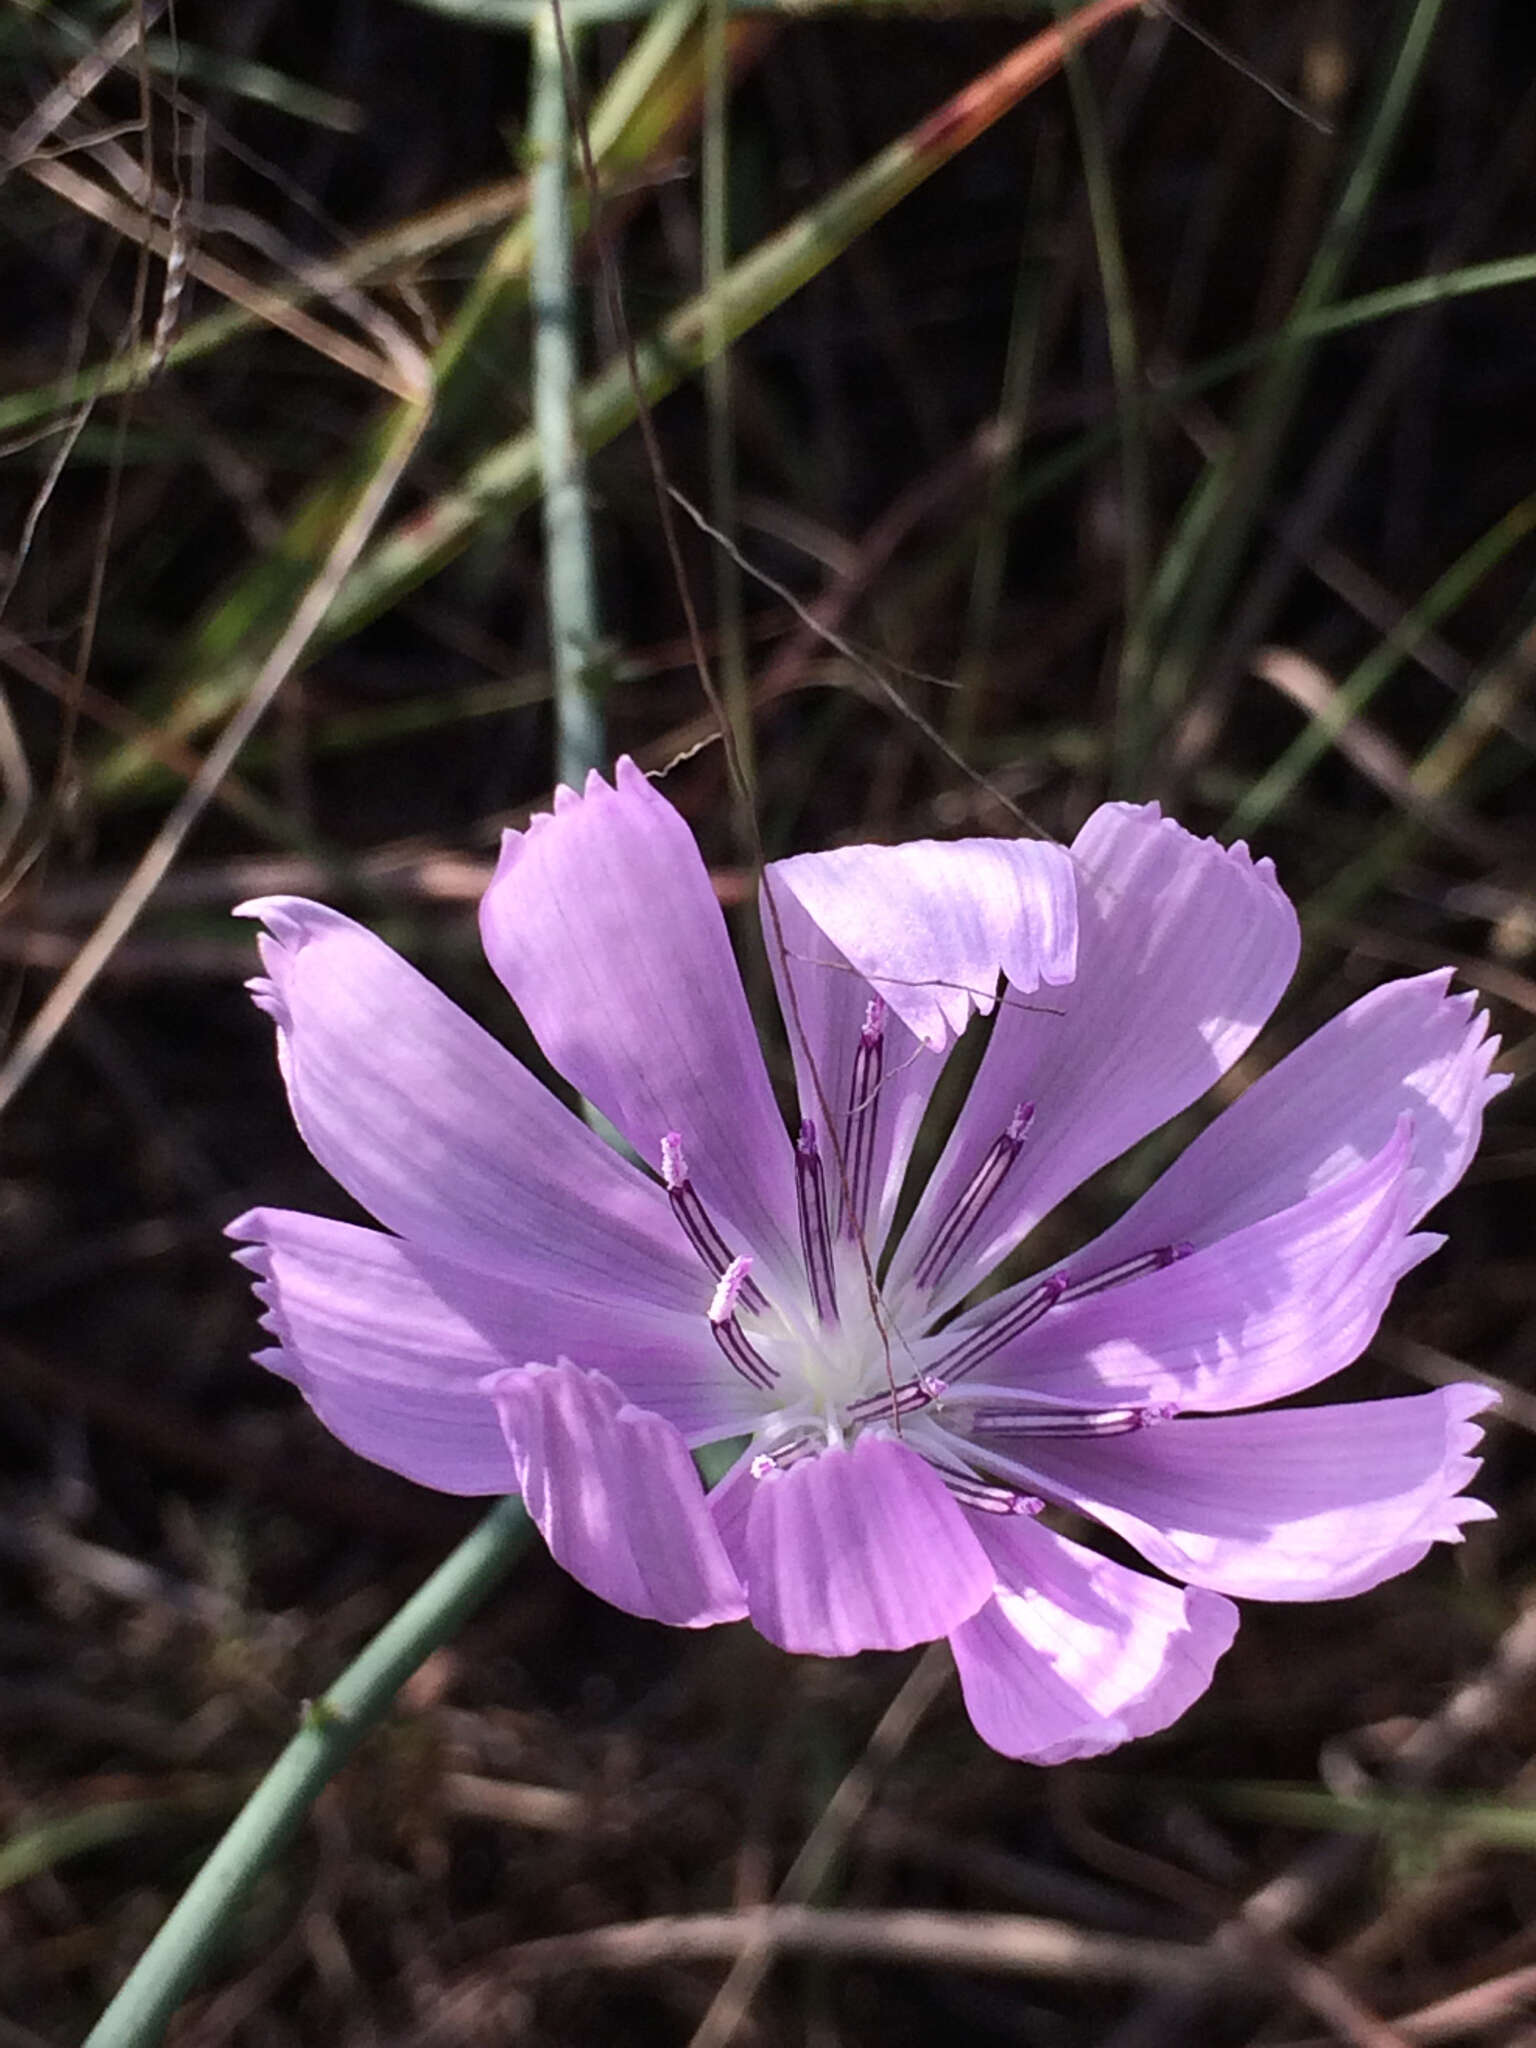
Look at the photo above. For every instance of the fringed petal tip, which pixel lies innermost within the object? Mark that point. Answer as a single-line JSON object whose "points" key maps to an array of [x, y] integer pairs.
{"points": [[1464, 1435], [287, 923], [265, 994], [1211, 1624], [604, 927], [1238, 852], [627, 780], [288, 919], [277, 1359], [254, 1251], [928, 925]]}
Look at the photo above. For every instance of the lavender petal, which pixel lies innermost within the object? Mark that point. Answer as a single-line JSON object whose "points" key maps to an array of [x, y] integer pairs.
{"points": [[614, 1494], [602, 924], [1298, 1504], [437, 1131], [1184, 948], [1408, 1048], [875, 1103], [929, 925], [1077, 1654], [1266, 1312], [354, 1307], [860, 1549]]}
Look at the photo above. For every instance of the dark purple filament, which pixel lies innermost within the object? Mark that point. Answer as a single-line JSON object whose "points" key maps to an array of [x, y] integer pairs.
{"points": [[979, 1345], [968, 1211], [728, 1333], [815, 1236], [1125, 1269], [860, 1123], [697, 1224], [1025, 1420], [990, 1500]]}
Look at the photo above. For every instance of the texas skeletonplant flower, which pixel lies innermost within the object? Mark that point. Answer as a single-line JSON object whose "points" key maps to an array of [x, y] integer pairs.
{"points": [[539, 1315]]}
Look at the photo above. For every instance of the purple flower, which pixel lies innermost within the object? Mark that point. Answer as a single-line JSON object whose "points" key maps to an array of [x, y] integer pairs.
{"points": [[543, 1317]]}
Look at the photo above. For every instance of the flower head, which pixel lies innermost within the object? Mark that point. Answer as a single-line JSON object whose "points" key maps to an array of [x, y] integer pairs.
{"points": [[538, 1315]]}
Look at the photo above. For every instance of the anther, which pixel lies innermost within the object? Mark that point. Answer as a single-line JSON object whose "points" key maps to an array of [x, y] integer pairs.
{"points": [[789, 1451], [967, 1212], [991, 1500], [732, 1281], [1126, 1269], [815, 1237], [906, 1399], [729, 1334], [979, 1345], [860, 1121], [1026, 1421], [697, 1225]]}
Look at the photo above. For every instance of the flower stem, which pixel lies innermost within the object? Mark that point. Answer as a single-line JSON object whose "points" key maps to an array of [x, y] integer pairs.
{"points": [[332, 1728], [570, 581]]}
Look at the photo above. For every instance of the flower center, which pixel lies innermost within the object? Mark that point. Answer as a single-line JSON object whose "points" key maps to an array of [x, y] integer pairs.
{"points": [[830, 1366]]}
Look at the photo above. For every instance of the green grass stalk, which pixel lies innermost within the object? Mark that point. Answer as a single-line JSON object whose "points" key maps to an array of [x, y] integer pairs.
{"points": [[332, 1728], [570, 579]]}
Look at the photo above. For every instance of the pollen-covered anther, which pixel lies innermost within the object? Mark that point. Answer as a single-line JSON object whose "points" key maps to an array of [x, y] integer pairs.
{"points": [[967, 1212], [728, 1333], [815, 1235], [733, 1282], [696, 1223]]}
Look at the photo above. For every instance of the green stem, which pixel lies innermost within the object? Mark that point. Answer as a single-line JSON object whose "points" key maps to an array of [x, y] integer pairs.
{"points": [[570, 582], [508, 477], [649, 99], [333, 1727]]}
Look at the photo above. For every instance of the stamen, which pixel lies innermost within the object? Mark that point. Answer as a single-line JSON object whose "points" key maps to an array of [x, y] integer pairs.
{"points": [[815, 1238], [697, 1225], [968, 1211], [903, 1400], [1127, 1269], [732, 1339], [728, 1293], [990, 1500], [979, 1345], [860, 1122], [729, 1334], [1023, 1421], [788, 1451]]}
